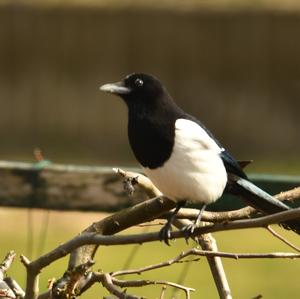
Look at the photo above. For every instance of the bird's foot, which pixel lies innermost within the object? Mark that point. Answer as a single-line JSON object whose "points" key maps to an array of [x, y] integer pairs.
{"points": [[165, 233], [189, 229]]}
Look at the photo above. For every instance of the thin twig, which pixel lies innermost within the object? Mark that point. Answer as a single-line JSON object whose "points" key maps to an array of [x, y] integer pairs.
{"points": [[150, 224], [105, 277], [206, 253], [182, 276], [134, 251], [162, 293], [170, 262], [281, 238], [109, 285], [140, 283]]}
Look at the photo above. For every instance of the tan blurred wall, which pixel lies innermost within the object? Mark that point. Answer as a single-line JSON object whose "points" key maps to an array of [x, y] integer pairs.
{"points": [[237, 71]]}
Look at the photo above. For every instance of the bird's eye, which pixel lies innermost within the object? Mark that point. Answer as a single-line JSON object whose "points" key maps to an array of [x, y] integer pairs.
{"points": [[138, 82]]}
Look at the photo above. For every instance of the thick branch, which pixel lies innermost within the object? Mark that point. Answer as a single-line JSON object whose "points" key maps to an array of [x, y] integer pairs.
{"points": [[143, 212], [32, 278], [110, 225], [243, 213], [97, 239], [91, 238]]}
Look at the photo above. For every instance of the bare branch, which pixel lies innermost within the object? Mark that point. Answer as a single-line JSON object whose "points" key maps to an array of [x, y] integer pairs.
{"points": [[141, 283], [281, 238], [142, 212], [109, 285], [4, 266], [243, 213], [163, 291], [32, 279], [83, 248], [91, 238], [188, 213], [208, 242], [70, 282], [6, 284], [168, 263], [24, 260], [15, 287], [101, 277], [97, 239], [206, 253], [100, 233], [237, 256], [141, 180], [289, 195]]}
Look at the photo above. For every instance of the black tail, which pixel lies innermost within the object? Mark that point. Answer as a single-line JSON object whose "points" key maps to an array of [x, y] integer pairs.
{"points": [[261, 200]]}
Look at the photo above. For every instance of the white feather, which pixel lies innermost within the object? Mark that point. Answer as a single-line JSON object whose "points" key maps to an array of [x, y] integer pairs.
{"points": [[194, 172]]}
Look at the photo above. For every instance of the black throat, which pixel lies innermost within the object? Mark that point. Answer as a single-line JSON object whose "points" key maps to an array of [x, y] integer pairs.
{"points": [[151, 131]]}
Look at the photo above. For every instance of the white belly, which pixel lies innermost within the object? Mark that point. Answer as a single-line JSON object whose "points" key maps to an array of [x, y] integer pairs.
{"points": [[195, 171]]}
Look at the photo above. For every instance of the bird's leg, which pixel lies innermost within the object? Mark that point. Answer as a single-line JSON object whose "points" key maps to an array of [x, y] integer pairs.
{"points": [[165, 232], [189, 229]]}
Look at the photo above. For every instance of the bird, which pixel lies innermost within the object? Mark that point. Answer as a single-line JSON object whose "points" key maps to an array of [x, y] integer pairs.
{"points": [[181, 156]]}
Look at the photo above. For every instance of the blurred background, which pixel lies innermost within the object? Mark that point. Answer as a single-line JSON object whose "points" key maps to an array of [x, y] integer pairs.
{"points": [[232, 63]]}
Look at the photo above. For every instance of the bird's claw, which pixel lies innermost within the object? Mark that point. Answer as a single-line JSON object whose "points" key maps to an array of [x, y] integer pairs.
{"points": [[165, 233], [188, 231]]}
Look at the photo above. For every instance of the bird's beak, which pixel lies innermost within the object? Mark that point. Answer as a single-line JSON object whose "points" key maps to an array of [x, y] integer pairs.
{"points": [[115, 88]]}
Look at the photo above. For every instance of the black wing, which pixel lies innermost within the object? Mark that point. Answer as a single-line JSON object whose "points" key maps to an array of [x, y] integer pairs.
{"points": [[231, 165]]}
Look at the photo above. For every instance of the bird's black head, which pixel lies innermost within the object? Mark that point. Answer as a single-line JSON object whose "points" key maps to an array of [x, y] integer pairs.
{"points": [[137, 90]]}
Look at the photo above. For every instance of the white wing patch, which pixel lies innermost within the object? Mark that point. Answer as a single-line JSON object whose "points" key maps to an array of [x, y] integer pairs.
{"points": [[195, 171]]}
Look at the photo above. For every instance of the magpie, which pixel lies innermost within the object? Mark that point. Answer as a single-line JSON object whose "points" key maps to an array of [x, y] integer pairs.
{"points": [[180, 156]]}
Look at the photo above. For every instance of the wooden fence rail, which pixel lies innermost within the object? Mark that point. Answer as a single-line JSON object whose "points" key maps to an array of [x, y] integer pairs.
{"points": [[90, 188]]}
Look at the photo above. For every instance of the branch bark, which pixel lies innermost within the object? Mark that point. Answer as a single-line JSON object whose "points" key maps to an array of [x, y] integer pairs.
{"points": [[83, 247], [9, 288], [208, 243]]}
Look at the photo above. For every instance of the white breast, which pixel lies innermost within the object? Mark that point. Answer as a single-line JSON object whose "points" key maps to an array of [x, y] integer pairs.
{"points": [[195, 171]]}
